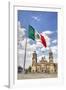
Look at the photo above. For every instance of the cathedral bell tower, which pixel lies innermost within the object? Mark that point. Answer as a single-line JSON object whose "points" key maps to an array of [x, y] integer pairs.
{"points": [[50, 56], [34, 58]]}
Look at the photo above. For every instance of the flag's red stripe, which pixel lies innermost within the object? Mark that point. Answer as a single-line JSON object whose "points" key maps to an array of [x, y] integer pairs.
{"points": [[43, 41]]}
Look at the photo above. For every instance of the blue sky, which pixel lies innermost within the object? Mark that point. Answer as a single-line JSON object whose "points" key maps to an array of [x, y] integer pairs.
{"points": [[43, 22]]}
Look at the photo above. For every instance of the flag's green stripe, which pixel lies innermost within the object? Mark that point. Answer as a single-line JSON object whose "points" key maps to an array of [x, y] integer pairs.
{"points": [[31, 32]]}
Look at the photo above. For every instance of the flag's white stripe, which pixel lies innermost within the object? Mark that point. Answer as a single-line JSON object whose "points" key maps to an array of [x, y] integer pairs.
{"points": [[37, 36]]}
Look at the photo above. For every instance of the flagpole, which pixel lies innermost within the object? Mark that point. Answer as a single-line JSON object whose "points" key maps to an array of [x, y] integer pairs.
{"points": [[25, 56]]}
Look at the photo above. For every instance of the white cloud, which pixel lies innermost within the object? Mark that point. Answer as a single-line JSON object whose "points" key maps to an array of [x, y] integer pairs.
{"points": [[21, 32], [28, 40], [29, 46], [48, 32], [21, 54], [33, 47], [44, 49], [22, 42], [54, 49], [40, 57], [21, 51], [39, 44], [28, 59], [18, 24], [54, 41], [36, 18]]}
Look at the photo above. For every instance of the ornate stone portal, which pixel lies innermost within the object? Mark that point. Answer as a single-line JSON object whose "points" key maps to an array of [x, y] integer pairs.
{"points": [[43, 66]]}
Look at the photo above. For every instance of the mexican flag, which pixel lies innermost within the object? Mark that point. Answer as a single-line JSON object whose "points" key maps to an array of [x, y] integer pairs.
{"points": [[34, 35]]}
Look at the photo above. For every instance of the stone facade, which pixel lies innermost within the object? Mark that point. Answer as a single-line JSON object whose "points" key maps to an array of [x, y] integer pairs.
{"points": [[43, 66]]}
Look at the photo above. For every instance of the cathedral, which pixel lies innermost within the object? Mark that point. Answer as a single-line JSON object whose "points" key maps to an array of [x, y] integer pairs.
{"points": [[43, 66]]}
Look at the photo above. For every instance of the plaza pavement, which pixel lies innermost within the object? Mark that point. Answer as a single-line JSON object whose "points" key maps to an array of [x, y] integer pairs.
{"points": [[36, 75]]}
